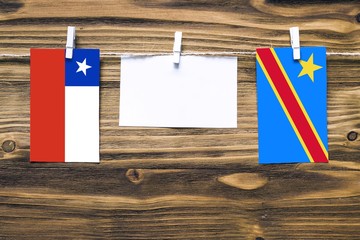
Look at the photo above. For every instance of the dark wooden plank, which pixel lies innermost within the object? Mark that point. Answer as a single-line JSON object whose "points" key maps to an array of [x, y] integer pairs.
{"points": [[149, 25], [274, 202]]}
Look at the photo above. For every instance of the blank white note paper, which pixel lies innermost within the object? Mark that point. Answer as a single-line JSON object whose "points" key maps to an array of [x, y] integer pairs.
{"points": [[200, 92]]}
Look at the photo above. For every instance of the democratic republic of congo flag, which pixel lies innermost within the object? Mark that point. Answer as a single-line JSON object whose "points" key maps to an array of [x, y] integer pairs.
{"points": [[292, 105]]}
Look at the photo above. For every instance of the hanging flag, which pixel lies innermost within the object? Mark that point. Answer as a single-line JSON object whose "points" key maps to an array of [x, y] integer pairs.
{"points": [[292, 105], [64, 105]]}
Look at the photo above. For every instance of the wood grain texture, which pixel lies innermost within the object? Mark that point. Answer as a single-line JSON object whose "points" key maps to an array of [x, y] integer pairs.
{"points": [[179, 183]]}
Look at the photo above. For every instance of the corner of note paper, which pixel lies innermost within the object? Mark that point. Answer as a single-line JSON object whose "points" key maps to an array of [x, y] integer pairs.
{"points": [[200, 92]]}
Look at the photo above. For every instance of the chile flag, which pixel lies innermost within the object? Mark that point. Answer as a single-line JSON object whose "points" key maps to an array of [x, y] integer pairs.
{"points": [[292, 105], [64, 105]]}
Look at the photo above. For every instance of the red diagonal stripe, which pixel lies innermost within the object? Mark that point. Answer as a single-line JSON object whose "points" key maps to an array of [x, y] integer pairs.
{"points": [[292, 105]]}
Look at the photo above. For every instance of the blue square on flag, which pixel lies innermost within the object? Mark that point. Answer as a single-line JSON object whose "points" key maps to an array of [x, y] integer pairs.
{"points": [[84, 68], [292, 117]]}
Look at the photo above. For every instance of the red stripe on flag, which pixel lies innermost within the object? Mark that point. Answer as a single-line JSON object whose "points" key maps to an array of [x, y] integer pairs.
{"points": [[47, 105], [292, 105]]}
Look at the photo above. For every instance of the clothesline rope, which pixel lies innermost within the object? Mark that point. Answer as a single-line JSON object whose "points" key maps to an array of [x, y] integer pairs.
{"points": [[129, 54]]}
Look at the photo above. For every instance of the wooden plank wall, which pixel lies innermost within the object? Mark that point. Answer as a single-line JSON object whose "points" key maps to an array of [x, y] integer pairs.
{"points": [[180, 183]]}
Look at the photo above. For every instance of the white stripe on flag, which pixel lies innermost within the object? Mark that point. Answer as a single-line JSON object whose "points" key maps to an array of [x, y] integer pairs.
{"points": [[82, 124]]}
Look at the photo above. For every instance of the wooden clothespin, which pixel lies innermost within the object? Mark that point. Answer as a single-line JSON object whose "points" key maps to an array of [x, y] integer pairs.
{"points": [[295, 42], [70, 42], [177, 47]]}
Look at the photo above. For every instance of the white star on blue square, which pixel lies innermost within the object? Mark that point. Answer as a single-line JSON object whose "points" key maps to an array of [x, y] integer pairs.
{"points": [[83, 69]]}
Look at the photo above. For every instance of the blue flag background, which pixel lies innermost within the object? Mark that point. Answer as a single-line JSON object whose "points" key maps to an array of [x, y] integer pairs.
{"points": [[278, 142]]}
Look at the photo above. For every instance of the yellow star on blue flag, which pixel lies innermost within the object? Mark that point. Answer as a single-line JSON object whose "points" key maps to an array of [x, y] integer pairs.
{"points": [[308, 67]]}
